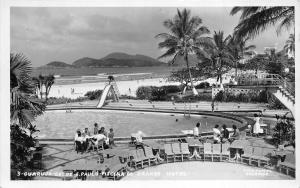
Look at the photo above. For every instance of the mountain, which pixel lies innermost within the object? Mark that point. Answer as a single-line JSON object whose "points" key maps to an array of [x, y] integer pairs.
{"points": [[118, 59], [57, 64]]}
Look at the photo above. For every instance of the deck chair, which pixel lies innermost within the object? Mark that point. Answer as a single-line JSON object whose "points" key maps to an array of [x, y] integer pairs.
{"points": [[98, 145], [185, 150], [246, 156], [257, 155], [135, 161], [168, 152], [225, 153], [79, 147], [116, 170], [216, 152], [177, 152], [142, 157], [149, 154], [288, 165], [207, 151]]}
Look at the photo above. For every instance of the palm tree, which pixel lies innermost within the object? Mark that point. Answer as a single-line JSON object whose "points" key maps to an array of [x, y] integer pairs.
{"points": [[289, 46], [185, 38], [240, 50], [23, 107], [48, 82], [254, 20], [219, 55]]}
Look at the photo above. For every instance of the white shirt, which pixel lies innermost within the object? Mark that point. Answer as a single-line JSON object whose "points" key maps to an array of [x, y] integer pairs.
{"points": [[217, 133], [196, 131]]}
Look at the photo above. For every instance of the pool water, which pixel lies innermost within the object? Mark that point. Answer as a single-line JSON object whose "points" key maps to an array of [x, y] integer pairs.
{"points": [[59, 124]]}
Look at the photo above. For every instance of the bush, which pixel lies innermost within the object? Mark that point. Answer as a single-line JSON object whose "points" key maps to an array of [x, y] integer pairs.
{"points": [[93, 94], [64, 100], [202, 85], [144, 92], [261, 97]]}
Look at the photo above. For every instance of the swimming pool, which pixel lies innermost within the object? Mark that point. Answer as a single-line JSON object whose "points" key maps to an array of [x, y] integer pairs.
{"points": [[61, 125]]}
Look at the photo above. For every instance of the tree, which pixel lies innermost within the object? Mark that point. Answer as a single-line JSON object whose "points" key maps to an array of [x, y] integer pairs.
{"points": [[185, 38], [48, 82], [254, 20], [289, 46], [183, 76], [218, 56], [258, 62], [240, 50], [23, 110]]}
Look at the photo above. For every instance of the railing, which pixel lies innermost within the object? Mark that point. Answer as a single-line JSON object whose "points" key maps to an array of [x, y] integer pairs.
{"points": [[266, 80]]}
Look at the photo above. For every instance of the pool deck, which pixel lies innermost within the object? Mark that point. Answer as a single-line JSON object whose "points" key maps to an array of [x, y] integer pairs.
{"points": [[57, 157]]}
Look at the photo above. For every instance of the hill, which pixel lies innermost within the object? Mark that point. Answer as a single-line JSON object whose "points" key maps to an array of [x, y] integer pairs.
{"points": [[57, 64], [118, 59]]}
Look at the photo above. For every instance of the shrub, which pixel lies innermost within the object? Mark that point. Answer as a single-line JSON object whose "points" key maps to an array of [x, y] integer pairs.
{"points": [[219, 96], [93, 94], [144, 92], [202, 85], [63, 100]]}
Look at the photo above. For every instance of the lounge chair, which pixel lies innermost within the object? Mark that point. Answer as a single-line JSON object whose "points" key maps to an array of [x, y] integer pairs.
{"points": [[259, 157], [225, 151], [216, 151], [141, 156], [135, 161], [185, 150], [98, 145], [150, 156], [168, 152], [207, 151], [288, 165], [248, 152], [116, 170], [177, 152], [79, 147]]}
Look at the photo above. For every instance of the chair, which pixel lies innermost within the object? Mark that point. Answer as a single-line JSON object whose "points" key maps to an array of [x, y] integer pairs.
{"points": [[141, 156], [207, 151], [135, 161], [116, 170], [258, 156], [176, 150], [79, 147], [185, 150], [150, 156], [225, 151], [288, 165], [248, 151], [99, 145], [168, 152], [216, 151], [243, 135], [37, 160]]}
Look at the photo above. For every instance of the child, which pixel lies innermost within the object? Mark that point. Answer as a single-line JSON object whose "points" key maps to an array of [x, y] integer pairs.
{"points": [[111, 135]]}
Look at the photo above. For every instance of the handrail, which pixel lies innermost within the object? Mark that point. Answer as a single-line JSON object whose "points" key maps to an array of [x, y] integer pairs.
{"points": [[266, 79]]}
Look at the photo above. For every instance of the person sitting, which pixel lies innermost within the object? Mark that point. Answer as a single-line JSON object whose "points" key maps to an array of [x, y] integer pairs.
{"points": [[137, 139], [196, 130], [102, 131], [225, 134], [96, 129], [217, 134], [235, 135], [79, 141], [98, 138], [111, 135]]}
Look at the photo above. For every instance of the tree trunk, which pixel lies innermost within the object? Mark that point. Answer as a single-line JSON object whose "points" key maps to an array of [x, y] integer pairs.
{"points": [[236, 63], [188, 67]]}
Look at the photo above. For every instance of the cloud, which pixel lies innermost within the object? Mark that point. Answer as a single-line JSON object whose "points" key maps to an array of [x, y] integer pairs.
{"points": [[66, 34]]}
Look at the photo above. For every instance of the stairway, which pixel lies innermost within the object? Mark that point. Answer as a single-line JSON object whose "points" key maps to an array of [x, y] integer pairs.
{"points": [[116, 90], [284, 91]]}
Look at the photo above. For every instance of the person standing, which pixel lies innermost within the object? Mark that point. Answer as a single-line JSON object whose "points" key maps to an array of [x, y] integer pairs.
{"points": [[213, 105], [96, 129], [256, 126], [225, 134], [196, 130]]}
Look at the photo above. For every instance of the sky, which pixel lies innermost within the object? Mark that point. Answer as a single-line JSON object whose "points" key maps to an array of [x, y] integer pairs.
{"points": [[45, 34]]}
